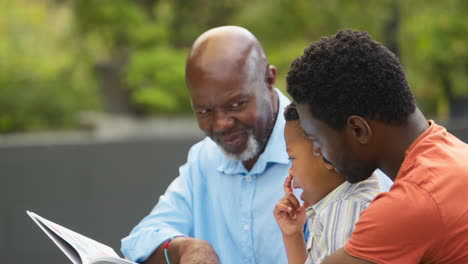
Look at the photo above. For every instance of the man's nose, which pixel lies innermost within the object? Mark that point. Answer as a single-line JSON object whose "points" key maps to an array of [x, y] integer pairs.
{"points": [[223, 121]]}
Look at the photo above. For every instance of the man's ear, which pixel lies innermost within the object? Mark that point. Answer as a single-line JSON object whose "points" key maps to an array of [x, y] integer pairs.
{"points": [[270, 76], [359, 129]]}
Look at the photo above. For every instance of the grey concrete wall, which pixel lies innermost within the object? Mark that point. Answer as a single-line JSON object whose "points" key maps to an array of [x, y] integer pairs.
{"points": [[100, 188]]}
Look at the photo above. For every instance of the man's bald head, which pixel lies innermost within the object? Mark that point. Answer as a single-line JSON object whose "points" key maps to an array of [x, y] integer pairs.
{"points": [[232, 91], [222, 51]]}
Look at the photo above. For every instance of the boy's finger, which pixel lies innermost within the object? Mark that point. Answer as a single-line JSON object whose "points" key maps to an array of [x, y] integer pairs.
{"points": [[283, 208], [293, 201], [292, 215], [286, 202], [288, 184]]}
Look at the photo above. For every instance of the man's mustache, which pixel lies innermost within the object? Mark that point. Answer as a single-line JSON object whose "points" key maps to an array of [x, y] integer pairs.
{"points": [[229, 132]]}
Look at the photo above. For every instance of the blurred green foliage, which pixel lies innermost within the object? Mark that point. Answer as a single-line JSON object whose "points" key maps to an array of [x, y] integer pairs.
{"points": [[156, 77], [51, 49], [43, 80]]}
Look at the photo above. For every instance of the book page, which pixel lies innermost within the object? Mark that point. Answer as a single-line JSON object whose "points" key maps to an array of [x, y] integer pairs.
{"points": [[106, 260], [80, 249]]}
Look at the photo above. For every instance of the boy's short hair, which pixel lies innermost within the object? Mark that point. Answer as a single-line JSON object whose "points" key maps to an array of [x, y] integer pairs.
{"points": [[290, 112]]}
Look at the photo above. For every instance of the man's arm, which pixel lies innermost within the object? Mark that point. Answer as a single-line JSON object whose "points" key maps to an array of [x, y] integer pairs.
{"points": [[185, 250], [342, 257], [172, 216]]}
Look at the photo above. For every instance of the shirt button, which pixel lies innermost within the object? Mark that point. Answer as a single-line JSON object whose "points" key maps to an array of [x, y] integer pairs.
{"points": [[246, 227], [248, 178]]}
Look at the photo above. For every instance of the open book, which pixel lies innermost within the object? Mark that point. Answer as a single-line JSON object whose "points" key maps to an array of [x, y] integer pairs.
{"points": [[78, 248]]}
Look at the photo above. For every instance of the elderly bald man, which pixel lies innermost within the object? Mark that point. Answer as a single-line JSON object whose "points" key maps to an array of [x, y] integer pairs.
{"points": [[221, 203]]}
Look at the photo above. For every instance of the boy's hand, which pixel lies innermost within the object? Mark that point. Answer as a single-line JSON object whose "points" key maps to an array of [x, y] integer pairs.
{"points": [[289, 213]]}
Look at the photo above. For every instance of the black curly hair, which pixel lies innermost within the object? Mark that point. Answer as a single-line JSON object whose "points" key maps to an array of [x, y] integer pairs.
{"points": [[290, 112], [347, 74]]}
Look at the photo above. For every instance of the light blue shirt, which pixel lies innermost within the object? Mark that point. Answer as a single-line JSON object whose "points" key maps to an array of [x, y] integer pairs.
{"points": [[218, 200]]}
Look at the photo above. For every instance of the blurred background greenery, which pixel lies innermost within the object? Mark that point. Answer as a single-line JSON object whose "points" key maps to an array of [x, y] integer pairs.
{"points": [[60, 58]]}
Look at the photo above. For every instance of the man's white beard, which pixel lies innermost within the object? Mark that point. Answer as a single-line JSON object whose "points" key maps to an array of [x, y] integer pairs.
{"points": [[251, 149]]}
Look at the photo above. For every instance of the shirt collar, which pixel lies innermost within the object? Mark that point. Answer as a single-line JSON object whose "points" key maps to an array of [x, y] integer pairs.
{"points": [[328, 199], [275, 150], [338, 193]]}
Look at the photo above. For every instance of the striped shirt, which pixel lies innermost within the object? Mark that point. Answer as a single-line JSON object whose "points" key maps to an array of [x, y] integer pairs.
{"points": [[332, 219]]}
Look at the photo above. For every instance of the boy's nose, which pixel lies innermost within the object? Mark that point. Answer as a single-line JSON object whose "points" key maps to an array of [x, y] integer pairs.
{"points": [[294, 184]]}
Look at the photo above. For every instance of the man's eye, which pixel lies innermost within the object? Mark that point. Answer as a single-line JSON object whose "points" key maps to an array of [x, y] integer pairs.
{"points": [[203, 111], [237, 105]]}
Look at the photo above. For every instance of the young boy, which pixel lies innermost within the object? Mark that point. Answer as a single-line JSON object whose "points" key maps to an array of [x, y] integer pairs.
{"points": [[331, 204]]}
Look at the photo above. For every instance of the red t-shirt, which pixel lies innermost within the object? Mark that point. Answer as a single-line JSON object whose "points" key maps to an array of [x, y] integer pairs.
{"points": [[424, 216]]}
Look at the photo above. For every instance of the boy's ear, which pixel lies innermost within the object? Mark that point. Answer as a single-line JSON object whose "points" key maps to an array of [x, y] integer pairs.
{"points": [[359, 129]]}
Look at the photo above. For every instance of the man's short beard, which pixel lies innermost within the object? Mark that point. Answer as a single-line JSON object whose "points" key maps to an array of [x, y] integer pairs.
{"points": [[251, 150], [253, 145]]}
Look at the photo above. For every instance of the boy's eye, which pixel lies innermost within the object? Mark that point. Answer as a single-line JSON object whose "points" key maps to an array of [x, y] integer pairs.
{"points": [[290, 158]]}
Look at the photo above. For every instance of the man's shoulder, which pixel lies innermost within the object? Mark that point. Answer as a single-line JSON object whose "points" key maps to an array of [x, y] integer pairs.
{"points": [[407, 200], [436, 151], [433, 166]]}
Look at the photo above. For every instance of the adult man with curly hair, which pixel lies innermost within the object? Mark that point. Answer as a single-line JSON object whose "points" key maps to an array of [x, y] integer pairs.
{"points": [[356, 106]]}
